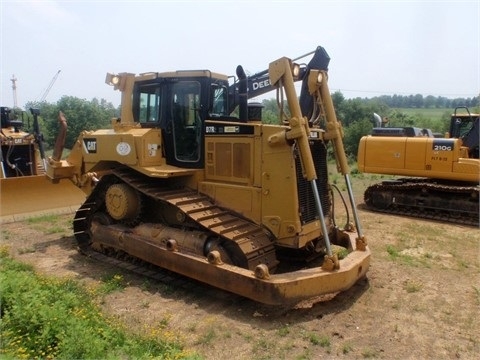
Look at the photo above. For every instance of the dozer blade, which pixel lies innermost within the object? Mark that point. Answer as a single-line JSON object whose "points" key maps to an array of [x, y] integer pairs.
{"points": [[29, 196]]}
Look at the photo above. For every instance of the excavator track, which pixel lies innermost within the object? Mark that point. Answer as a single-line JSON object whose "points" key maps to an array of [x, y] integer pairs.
{"points": [[252, 240], [425, 199]]}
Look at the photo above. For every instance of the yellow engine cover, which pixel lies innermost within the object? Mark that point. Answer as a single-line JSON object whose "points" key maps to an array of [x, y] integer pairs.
{"points": [[417, 156]]}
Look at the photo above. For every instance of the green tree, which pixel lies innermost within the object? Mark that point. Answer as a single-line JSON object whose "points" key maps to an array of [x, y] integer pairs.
{"points": [[80, 114], [354, 133]]}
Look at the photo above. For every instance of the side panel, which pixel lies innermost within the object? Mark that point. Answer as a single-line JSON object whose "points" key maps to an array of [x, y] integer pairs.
{"points": [[415, 153], [384, 155], [416, 156], [231, 167], [107, 145], [229, 159], [133, 147], [149, 148], [280, 207]]}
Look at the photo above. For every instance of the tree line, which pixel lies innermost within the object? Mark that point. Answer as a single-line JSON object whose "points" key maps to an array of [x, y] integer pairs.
{"points": [[418, 101], [356, 115]]}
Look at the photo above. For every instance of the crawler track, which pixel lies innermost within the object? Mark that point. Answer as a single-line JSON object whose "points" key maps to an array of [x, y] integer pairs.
{"points": [[426, 199], [251, 239]]}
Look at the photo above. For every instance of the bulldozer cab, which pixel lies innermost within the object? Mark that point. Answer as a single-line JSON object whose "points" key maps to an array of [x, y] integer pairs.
{"points": [[10, 118], [24, 189], [179, 103], [18, 155]]}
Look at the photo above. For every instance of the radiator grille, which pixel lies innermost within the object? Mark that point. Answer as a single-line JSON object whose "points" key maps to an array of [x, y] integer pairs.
{"points": [[306, 200]]}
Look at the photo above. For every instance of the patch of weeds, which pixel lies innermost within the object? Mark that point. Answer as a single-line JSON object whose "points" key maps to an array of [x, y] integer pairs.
{"points": [[286, 348], [166, 289], [369, 353], [49, 318], [165, 320], [307, 355], [28, 250], [56, 229], [412, 286], [247, 337], [419, 308], [145, 304], [396, 255], [4, 251], [477, 294], [192, 327], [315, 339], [5, 235], [43, 219], [393, 252], [341, 252], [283, 331], [264, 346], [146, 286], [428, 256], [346, 348], [207, 338], [49, 224], [111, 283]]}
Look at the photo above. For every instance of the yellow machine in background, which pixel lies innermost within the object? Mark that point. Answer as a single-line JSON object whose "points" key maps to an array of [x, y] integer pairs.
{"points": [[442, 174], [25, 191], [247, 207]]}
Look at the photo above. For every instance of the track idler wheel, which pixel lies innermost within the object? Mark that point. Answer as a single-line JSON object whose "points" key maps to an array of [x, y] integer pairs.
{"points": [[123, 203]]}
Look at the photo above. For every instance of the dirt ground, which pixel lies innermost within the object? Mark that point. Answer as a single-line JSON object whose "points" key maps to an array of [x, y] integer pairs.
{"points": [[421, 299]]}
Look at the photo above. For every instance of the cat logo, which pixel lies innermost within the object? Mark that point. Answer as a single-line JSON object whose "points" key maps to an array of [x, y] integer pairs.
{"points": [[90, 145]]}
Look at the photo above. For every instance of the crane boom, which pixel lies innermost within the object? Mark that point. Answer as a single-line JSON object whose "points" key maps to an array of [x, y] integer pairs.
{"points": [[47, 90]]}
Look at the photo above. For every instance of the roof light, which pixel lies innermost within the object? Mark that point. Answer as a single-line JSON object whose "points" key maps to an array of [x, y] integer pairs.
{"points": [[295, 70]]}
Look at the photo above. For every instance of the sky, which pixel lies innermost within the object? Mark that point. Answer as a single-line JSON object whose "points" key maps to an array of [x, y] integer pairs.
{"points": [[376, 47]]}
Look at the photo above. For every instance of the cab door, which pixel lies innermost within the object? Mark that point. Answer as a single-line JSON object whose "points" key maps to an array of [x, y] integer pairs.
{"points": [[183, 134]]}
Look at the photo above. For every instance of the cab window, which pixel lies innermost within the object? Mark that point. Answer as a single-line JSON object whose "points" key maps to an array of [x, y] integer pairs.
{"points": [[149, 106], [219, 99]]}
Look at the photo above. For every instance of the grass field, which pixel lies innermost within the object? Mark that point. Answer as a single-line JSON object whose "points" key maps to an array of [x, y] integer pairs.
{"points": [[434, 114]]}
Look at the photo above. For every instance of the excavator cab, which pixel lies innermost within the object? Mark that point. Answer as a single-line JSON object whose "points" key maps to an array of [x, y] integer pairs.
{"points": [[465, 125]]}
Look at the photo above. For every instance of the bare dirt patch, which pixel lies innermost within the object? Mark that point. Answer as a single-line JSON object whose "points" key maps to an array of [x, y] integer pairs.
{"points": [[421, 299]]}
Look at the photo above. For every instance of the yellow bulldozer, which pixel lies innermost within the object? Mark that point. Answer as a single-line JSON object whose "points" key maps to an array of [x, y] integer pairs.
{"points": [[182, 183], [25, 191]]}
